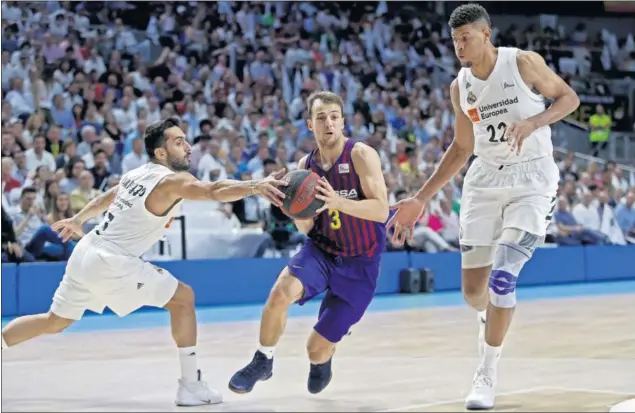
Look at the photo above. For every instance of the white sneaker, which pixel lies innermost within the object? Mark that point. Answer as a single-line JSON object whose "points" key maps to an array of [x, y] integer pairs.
{"points": [[196, 393], [482, 395], [481, 335]]}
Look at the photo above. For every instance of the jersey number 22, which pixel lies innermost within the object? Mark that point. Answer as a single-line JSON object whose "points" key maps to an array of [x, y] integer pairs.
{"points": [[499, 130]]}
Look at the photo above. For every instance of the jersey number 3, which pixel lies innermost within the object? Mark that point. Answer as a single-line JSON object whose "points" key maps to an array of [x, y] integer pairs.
{"points": [[493, 132], [336, 223]]}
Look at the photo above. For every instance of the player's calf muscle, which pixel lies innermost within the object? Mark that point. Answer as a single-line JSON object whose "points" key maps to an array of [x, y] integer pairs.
{"points": [[319, 349]]}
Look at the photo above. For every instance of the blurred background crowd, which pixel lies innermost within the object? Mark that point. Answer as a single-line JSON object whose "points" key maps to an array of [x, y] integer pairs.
{"points": [[82, 80]]}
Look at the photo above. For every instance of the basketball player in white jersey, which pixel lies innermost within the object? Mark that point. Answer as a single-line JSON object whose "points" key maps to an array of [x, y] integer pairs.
{"points": [[105, 268], [509, 191]]}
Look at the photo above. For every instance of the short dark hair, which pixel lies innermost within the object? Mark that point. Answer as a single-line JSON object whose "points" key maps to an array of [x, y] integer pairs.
{"points": [[326, 97], [154, 135], [468, 14], [28, 190], [98, 151]]}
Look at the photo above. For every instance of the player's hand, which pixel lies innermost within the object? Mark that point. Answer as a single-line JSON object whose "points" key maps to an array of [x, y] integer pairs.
{"points": [[327, 194], [268, 187], [68, 227], [409, 211], [516, 133]]}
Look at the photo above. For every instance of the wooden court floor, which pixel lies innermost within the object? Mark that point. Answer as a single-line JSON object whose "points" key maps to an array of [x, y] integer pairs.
{"points": [[574, 354]]}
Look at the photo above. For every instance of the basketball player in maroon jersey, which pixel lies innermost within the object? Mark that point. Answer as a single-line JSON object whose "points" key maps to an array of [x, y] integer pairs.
{"points": [[341, 256]]}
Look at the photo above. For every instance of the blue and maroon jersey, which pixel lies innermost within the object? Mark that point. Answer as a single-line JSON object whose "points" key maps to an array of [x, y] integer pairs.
{"points": [[336, 232]]}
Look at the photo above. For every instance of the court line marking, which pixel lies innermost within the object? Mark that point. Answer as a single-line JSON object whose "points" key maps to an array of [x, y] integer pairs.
{"points": [[457, 400], [212, 356], [588, 390]]}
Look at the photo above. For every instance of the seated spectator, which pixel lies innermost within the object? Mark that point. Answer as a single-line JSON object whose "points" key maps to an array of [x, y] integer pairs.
{"points": [[212, 164], [84, 193], [450, 222], [136, 158], [100, 171], [33, 234], [427, 234], [38, 156], [72, 171], [8, 181], [11, 249], [608, 225], [625, 216], [570, 232], [586, 214]]}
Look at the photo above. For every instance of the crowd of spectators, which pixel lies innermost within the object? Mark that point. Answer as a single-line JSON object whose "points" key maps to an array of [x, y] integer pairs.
{"points": [[79, 87]]}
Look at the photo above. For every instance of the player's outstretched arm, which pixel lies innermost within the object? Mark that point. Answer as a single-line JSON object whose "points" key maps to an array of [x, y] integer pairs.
{"points": [[457, 154], [96, 206], [368, 166], [185, 186], [68, 227]]}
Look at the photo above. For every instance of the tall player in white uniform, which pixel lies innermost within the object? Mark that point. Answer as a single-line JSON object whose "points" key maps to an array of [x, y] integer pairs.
{"points": [[509, 191], [105, 268]]}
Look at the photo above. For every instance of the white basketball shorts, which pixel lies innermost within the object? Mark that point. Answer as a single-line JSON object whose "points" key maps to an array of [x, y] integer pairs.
{"points": [[495, 197], [96, 278]]}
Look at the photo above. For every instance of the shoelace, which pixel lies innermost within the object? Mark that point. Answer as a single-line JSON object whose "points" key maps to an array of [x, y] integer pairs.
{"points": [[483, 379], [318, 372], [252, 368]]}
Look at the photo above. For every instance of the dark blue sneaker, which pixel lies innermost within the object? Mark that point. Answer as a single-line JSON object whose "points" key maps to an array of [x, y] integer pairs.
{"points": [[320, 376], [259, 369]]}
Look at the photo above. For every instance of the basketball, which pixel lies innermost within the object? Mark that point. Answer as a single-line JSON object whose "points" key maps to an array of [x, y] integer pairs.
{"points": [[300, 201]]}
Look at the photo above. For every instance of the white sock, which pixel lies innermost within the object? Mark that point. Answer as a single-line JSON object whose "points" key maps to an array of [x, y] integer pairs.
{"points": [[267, 351], [189, 364], [483, 315], [4, 343], [491, 355]]}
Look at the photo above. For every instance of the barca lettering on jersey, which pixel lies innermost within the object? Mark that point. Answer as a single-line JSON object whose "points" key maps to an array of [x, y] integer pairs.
{"points": [[338, 233]]}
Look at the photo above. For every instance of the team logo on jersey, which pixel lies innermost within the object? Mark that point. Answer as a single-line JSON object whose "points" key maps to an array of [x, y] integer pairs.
{"points": [[508, 85], [345, 193], [471, 98], [343, 168], [473, 114]]}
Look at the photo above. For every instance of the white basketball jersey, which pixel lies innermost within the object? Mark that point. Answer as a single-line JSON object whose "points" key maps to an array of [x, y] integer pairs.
{"points": [[494, 103], [128, 227]]}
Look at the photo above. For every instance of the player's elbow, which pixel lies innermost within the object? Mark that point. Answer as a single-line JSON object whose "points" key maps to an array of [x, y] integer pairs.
{"points": [[575, 100]]}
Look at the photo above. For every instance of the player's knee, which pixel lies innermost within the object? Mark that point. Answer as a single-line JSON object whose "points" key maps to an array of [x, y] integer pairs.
{"points": [[182, 298], [287, 290], [473, 292], [514, 250], [56, 324], [476, 262]]}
